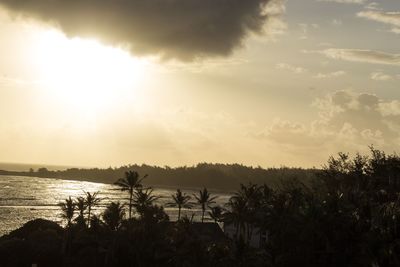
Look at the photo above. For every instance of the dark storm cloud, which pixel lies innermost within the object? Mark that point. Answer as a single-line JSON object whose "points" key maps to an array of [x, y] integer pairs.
{"points": [[183, 29]]}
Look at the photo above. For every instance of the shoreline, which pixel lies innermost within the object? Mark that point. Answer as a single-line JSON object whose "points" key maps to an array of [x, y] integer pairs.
{"points": [[154, 186]]}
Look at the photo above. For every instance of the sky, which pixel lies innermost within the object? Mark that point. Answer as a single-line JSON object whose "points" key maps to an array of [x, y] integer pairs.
{"points": [[178, 82]]}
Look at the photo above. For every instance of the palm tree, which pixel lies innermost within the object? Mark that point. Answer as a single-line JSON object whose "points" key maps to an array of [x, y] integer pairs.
{"points": [[143, 198], [205, 200], [251, 194], [68, 210], [248, 197], [237, 214], [130, 183], [91, 200], [216, 213], [81, 206], [113, 215], [181, 200]]}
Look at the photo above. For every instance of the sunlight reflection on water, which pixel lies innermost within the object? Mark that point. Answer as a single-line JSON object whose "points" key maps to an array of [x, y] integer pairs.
{"points": [[25, 198]]}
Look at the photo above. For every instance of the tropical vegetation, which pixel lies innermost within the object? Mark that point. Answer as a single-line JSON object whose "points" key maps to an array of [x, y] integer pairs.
{"points": [[130, 183], [205, 200], [181, 200], [347, 216], [226, 177]]}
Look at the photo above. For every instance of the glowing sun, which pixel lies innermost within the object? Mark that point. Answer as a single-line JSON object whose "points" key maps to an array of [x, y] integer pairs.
{"points": [[83, 73]]}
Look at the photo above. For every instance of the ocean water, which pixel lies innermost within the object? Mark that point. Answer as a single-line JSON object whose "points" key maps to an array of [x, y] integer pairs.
{"points": [[26, 167], [26, 198]]}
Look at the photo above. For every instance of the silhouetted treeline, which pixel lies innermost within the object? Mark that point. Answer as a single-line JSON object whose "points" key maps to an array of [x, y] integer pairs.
{"points": [[215, 176], [348, 215]]}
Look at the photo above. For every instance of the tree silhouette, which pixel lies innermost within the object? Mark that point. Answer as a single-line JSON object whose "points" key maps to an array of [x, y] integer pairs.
{"points": [[81, 206], [153, 214], [91, 200], [113, 215], [205, 200], [216, 213], [143, 199], [245, 206], [181, 200], [130, 183], [68, 210], [348, 216], [237, 214]]}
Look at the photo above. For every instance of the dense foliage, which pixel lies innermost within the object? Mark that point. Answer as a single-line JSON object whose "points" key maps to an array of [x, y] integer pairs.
{"points": [[225, 177], [348, 216]]}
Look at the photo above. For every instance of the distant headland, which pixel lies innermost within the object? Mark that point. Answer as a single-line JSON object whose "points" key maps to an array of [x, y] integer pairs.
{"points": [[224, 177]]}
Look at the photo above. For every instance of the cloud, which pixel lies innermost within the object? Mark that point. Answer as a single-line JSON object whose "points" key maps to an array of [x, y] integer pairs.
{"points": [[359, 2], [291, 68], [182, 29], [380, 76], [392, 18], [330, 74], [364, 112], [275, 25], [395, 30], [337, 22], [286, 132], [391, 108], [346, 121], [360, 55], [372, 6], [305, 28]]}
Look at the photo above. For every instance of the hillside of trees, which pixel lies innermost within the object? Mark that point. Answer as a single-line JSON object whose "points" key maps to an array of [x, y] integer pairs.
{"points": [[347, 216], [224, 177]]}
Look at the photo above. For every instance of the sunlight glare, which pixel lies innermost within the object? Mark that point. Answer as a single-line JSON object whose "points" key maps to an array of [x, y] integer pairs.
{"points": [[85, 75]]}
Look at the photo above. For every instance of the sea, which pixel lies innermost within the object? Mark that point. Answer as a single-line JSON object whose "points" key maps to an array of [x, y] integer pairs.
{"points": [[25, 198]]}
